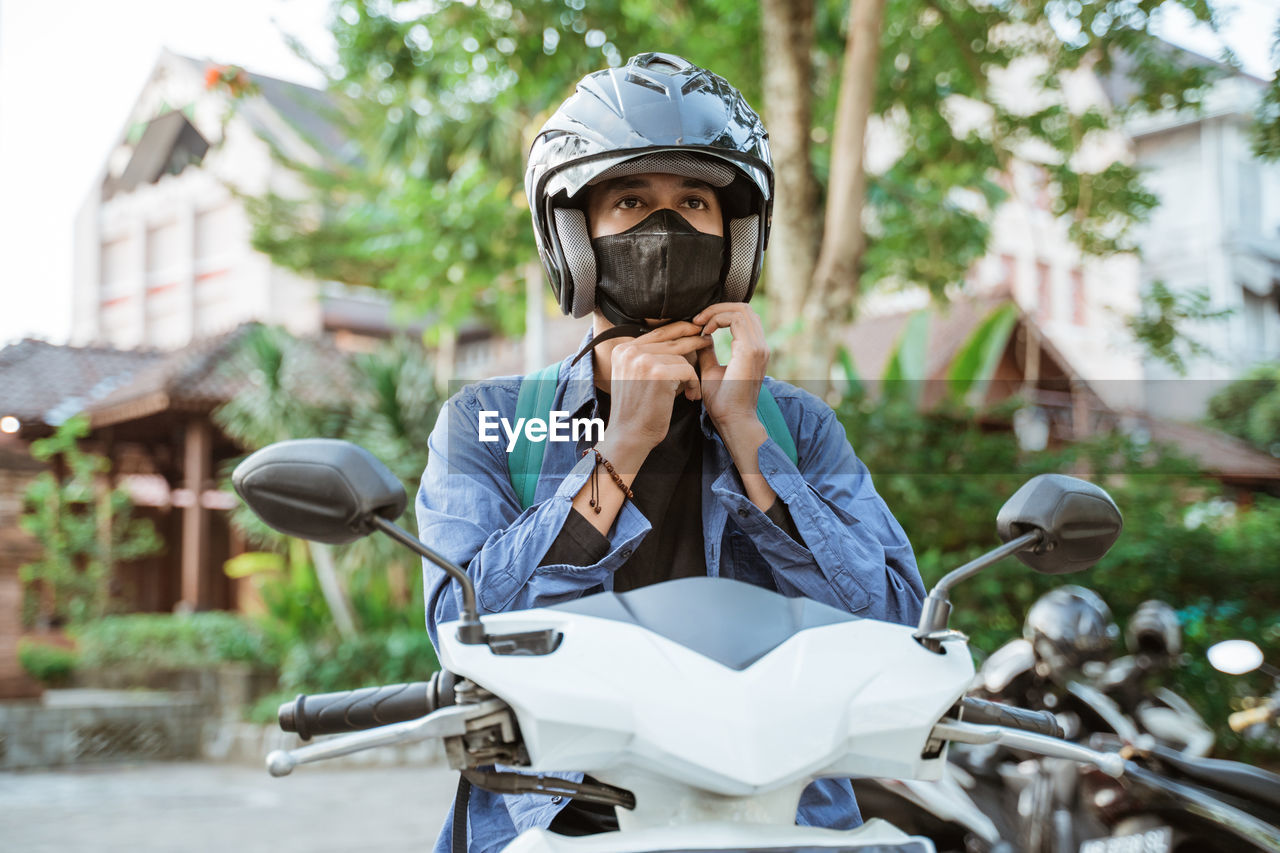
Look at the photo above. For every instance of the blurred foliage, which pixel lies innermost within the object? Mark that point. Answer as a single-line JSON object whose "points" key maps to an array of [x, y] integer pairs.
{"points": [[945, 474], [427, 200], [1160, 323], [175, 641], [439, 102], [1266, 127], [83, 525], [1249, 408], [50, 665], [379, 657], [384, 401]]}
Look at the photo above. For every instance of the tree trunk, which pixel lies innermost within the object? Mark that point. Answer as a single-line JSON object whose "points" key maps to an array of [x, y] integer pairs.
{"points": [[787, 36], [331, 588], [835, 288], [446, 359]]}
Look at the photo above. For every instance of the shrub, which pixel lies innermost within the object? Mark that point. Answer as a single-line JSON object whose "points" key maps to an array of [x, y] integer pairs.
{"points": [[84, 529], [174, 641], [51, 665], [329, 664]]}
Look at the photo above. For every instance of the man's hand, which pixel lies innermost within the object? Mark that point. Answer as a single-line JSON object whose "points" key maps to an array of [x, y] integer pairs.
{"points": [[730, 392], [646, 374]]}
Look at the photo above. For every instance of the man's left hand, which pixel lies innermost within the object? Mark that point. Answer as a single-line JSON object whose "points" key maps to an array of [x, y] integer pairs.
{"points": [[730, 392]]}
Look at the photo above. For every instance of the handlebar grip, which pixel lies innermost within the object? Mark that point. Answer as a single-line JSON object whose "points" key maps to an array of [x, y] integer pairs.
{"points": [[366, 708], [1264, 713], [998, 714]]}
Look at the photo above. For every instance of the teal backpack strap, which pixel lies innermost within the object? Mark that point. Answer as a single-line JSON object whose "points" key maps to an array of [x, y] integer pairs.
{"points": [[775, 424], [524, 462]]}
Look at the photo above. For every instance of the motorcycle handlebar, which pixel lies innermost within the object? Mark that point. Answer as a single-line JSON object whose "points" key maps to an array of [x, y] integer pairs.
{"points": [[366, 708], [995, 713]]}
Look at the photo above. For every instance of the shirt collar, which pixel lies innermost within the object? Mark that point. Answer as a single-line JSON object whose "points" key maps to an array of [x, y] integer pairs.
{"points": [[580, 382]]}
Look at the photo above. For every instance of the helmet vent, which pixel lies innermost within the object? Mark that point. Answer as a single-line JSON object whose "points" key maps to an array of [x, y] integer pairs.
{"points": [[662, 63], [648, 83], [695, 83]]}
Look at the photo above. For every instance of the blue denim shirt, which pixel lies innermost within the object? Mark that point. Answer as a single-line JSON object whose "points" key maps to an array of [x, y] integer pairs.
{"points": [[857, 557]]}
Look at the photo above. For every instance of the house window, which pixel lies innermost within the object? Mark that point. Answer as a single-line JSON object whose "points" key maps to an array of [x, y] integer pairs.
{"points": [[164, 255], [114, 271], [1010, 279], [216, 237]]}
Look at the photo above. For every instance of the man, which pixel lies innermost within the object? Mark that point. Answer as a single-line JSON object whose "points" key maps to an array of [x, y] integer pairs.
{"points": [[651, 190]]}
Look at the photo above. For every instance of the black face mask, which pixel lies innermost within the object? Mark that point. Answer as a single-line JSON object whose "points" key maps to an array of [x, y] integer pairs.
{"points": [[661, 268]]}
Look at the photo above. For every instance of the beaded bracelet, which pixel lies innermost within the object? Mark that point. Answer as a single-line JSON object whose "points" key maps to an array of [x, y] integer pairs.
{"points": [[595, 479]]}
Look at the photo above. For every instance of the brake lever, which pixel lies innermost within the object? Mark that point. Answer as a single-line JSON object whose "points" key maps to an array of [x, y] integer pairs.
{"points": [[1108, 762], [446, 722]]}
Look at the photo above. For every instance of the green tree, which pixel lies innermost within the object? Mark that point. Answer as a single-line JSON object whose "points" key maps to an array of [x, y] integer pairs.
{"points": [[85, 528], [1160, 324], [1266, 127], [385, 401], [440, 108], [1249, 408]]}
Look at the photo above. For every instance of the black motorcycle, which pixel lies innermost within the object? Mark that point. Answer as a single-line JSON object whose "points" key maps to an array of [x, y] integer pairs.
{"points": [[1170, 797]]}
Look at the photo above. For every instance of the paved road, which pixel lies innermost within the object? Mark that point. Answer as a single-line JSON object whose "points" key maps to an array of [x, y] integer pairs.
{"points": [[194, 808]]}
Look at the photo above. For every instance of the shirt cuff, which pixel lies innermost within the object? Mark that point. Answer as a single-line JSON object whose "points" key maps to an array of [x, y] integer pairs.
{"points": [[762, 526], [629, 528], [781, 517], [578, 544]]}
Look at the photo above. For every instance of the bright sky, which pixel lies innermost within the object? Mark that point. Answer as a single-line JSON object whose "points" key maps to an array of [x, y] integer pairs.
{"points": [[69, 73]]}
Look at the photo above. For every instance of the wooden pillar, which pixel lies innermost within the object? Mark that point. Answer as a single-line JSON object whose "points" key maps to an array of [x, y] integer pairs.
{"points": [[197, 465]]}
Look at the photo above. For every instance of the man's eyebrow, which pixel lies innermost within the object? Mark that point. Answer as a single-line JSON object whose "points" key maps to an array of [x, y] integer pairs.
{"points": [[639, 183], [631, 183]]}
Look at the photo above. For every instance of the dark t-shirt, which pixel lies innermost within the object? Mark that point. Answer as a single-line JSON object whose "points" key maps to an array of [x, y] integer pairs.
{"points": [[668, 491]]}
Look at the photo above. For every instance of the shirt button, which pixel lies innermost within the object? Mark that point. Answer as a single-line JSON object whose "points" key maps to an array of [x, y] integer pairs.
{"points": [[626, 552], [742, 511], [557, 798]]}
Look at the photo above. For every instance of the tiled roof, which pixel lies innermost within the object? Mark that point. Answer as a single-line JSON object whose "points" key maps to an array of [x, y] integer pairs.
{"points": [[872, 340], [46, 383], [202, 376], [1220, 454]]}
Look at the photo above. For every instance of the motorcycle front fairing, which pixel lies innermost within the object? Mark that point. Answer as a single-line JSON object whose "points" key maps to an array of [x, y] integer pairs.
{"points": [[712, 699]]}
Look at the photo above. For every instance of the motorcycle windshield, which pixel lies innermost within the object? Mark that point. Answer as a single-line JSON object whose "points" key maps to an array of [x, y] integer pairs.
{"points": [[731, 622]]}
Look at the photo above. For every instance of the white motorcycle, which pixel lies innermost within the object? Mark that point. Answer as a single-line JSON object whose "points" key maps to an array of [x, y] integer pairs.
{"points": [[699, 708]]}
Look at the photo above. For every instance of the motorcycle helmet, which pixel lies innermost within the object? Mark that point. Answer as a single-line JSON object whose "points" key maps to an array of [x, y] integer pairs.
{"points": [[1154, 630], [1068, 627], [657, 113]]}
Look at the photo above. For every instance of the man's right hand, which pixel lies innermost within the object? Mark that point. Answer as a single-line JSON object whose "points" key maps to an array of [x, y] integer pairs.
{"points": [[646, 375]]}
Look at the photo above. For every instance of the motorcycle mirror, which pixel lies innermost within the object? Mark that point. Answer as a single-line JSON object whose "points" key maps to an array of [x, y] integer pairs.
{"points": [[319, 489], [1079, 523], [1235, 657], [336, 492]]}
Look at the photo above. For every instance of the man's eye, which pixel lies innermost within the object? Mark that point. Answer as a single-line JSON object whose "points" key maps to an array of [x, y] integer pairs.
{"points": [[696, 203], [629, 203]]}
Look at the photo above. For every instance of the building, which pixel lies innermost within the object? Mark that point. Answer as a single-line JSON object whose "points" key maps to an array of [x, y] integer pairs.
{"points": [[1217, 231], [162, 251]]}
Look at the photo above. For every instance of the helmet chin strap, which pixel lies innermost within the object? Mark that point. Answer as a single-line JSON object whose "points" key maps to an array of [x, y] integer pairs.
{"points": [[626, 330]]}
